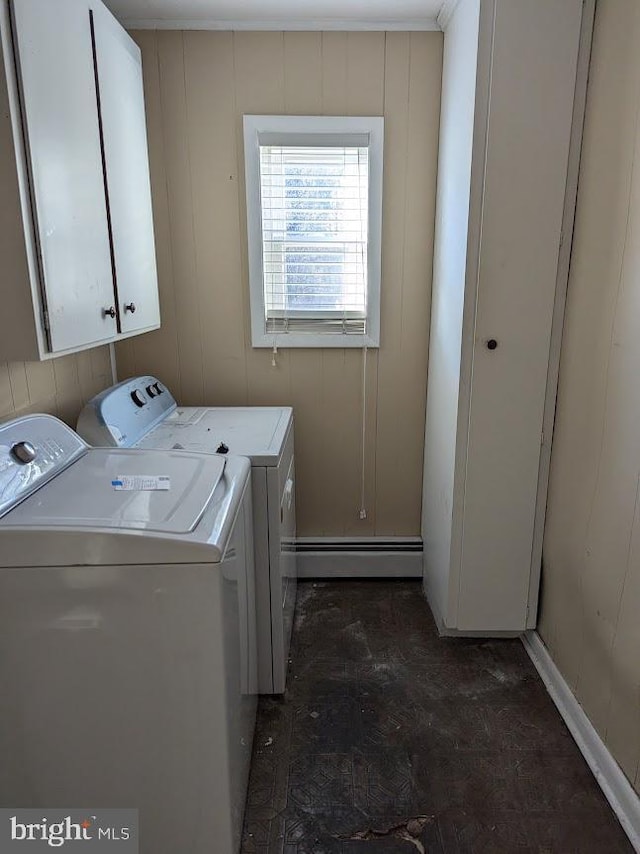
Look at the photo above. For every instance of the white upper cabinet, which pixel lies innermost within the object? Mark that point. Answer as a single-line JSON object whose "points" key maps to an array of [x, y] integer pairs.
{"points": [[55, 66], [73, 137], [124, 133]]}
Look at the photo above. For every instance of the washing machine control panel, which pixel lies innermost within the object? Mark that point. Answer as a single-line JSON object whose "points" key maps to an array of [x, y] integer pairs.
{"points": [[123, 414], [33, 450]]}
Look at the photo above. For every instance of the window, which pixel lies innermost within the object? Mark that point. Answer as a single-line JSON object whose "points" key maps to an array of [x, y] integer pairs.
{"points": [[314, 214]]}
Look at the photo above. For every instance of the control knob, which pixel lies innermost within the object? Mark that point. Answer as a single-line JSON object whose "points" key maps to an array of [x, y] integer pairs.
{"points": [[138, 398], [24, 452]]}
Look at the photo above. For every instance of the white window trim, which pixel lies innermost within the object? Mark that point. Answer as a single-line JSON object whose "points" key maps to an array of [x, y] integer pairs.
{"points": [[343, 130]]}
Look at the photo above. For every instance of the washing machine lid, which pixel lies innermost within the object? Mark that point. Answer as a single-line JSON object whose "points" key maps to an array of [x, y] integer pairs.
{"points": [[257, 432], [165, 492]]}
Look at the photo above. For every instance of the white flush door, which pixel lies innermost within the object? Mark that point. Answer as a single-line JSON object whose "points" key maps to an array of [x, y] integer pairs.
{"points": [[124, 133], [532, 91], [58, 93]]}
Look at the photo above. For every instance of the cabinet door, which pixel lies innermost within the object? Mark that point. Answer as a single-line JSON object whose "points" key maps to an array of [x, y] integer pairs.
{"points": [[124, 133], [58, 95], [523, 205]]}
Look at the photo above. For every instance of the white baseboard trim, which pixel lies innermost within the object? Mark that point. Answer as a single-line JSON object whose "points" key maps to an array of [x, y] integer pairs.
{"points": [[375, 557], [624, 800]]}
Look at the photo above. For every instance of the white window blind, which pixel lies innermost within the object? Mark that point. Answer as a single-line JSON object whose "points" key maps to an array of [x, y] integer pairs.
{"points": [[314, 229], [315, 223]]}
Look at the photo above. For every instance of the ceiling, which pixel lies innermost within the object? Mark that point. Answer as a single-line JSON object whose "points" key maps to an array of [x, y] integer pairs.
{"points": [[278, 14]]}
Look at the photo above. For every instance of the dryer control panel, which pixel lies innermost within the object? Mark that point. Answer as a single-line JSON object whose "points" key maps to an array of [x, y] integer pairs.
{"points": [[123, 414], [33, 450]]}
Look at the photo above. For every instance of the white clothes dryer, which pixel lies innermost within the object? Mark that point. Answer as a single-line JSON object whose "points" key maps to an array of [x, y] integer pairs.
{"points": [[127, 634]]}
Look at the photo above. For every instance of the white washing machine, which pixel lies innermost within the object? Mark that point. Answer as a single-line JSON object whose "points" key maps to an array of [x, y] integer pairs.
{"points": [[127, 634], [142, 413]]}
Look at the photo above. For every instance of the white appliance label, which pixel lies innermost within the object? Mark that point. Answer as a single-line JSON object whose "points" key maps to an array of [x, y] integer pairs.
{"points": [[141, 482]]}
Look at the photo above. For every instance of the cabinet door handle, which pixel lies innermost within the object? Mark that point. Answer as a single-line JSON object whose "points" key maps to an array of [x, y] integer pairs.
{"points": [[109, 312], [131, 306]]}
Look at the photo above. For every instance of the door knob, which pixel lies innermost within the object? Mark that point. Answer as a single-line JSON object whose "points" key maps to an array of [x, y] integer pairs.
{"points": [[109, 312], [131, 306], [492, 344]]}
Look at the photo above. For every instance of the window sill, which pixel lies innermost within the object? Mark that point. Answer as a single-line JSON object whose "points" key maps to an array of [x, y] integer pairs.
{"points": [[313, 341]]}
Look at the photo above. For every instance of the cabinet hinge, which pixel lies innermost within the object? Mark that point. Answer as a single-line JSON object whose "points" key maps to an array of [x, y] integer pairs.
{"points": [[46, 320]]}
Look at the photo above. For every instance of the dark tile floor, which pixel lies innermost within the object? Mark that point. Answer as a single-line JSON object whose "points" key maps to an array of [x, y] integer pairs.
{"points": [[390, 739]]}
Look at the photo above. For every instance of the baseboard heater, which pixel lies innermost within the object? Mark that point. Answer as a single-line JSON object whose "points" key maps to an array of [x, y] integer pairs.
{"points": [[359, 557]]}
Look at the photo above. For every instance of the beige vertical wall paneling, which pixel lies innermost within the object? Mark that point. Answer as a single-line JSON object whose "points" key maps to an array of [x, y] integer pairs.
{"points": [[68, 391], [58, 387], [415, 96], [303, 91], [19, 387], [390, 418], [259, 87], [198, 86], [424, 105], [365, 96], [591, 561], [175, 123], [338, 382], [214, 175], [6, 395]]}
